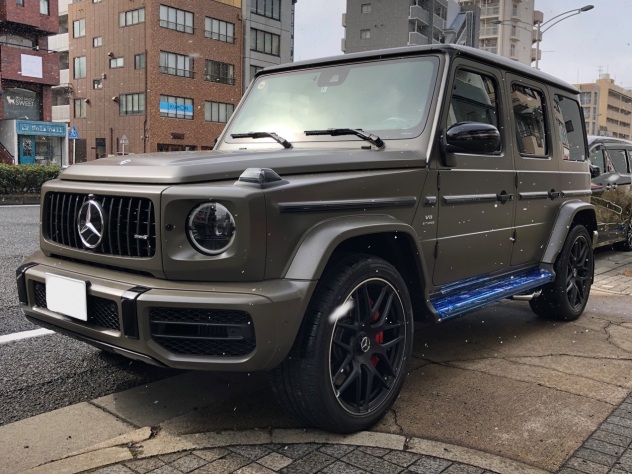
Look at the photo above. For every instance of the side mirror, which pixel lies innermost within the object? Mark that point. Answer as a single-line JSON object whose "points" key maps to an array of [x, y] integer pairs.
{"points": [[595, 171], [469, 137]]}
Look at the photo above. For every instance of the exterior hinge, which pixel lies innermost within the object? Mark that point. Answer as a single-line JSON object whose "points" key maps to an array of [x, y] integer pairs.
{"points": [[438, 180], [517, 181], [514, 236], [436, 252]]}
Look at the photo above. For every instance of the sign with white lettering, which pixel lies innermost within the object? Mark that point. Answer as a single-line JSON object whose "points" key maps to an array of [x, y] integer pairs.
{"points": [[40, 128], [21, 104], [31, 66]]}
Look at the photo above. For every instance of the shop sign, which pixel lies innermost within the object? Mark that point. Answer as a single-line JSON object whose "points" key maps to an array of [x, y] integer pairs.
{"points": [[21, 104], [40, 128]]}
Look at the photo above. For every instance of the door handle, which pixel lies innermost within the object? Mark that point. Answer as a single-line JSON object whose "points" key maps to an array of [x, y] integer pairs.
{"points": [[503, 197], [554, 194]]}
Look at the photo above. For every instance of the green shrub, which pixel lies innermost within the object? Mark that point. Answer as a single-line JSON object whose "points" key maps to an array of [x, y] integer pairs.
{"points": [[25, 179]]}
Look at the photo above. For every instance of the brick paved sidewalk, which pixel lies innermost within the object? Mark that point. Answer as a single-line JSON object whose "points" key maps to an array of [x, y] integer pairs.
{"points": [[292, 459], [610, 272]]}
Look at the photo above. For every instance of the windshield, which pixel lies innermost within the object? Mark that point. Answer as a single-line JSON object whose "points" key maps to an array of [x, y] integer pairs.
{"points": [[389, 98]]}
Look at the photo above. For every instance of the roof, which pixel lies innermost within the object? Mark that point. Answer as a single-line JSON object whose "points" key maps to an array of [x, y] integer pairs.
{"points": [[451, 49], [594, 138]]}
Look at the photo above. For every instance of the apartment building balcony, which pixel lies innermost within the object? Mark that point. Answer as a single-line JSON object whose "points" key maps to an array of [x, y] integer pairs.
{"points": [[489, 31], [64, 78], [438, 22], [61, 113], [25, 65], [415, 38], [492, 9], [419, 14], [58, 42], [29, 14]]}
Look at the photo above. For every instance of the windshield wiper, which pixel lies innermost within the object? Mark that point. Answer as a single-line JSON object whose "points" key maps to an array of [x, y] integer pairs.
{"points": [[256, 135], [338, 132]]}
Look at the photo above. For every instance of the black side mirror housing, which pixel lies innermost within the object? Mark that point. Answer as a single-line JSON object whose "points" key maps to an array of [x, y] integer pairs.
{"points": [[469, 137], [595, 171]]}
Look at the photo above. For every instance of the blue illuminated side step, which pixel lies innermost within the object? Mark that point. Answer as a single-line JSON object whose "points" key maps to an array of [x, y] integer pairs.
{"points": [[488, 292]]}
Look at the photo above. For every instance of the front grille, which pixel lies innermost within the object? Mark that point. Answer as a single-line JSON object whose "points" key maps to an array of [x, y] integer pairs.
{"points": [[204, 332], [130, 223], [101, 311]]}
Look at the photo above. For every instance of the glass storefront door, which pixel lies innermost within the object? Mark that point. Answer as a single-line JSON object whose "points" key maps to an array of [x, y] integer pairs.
{"points": [[27, 150]]}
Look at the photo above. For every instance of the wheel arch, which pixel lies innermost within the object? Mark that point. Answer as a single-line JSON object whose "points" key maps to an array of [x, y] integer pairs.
{"points": [[570, 213], [377, 235]]}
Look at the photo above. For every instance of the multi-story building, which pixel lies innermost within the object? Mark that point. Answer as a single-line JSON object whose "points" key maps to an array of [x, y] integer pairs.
{"points": [[514, 36], [607, 108], [28, 70], [380, 24], [268, 35], [60, 44]]}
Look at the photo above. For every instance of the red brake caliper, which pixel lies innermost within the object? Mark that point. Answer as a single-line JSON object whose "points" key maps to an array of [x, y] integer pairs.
{"points": [[379, 338]]}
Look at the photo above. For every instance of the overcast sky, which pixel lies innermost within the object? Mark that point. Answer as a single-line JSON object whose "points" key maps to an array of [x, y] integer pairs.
{"points": [[576, 47]]}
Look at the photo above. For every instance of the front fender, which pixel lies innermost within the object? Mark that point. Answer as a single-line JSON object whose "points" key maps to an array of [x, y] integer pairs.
{"points": [[565, 217]]}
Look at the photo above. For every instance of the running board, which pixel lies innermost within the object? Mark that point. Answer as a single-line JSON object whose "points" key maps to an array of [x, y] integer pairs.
{"points": [[489, 292]]}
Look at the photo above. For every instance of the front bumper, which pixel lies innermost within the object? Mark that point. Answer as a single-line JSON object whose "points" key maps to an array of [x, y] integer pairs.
{"points": [[276, 309]]}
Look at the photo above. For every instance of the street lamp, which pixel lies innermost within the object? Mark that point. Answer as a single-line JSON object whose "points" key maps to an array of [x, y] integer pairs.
{"points": [[565, 16]]}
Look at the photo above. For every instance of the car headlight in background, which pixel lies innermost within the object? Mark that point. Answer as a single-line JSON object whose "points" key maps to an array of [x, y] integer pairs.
{"points": [[211, 228]]}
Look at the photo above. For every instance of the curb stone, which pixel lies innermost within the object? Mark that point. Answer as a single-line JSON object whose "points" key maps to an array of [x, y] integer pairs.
{"points": [[237, 451], [11, 200]]}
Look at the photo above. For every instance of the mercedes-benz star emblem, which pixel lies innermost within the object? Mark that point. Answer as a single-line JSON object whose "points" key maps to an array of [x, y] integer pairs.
{"points": [[365, 344], [91, 224]]}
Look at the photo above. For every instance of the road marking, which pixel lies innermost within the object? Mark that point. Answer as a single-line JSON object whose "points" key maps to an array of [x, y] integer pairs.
{"points": [[24, 335]]}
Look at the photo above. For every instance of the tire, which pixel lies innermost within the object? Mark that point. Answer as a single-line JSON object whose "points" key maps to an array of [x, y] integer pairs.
{"points": [[626, 245], [348, 362], [565, 298]]}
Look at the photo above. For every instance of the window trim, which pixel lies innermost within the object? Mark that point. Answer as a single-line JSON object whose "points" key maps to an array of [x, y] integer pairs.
{"points": [[136, 60], [271, 42], [254, 10], [188, 73], [219, 103], [185, 28], [583, 124], [123, 15], [122, 58], [82, 107], [47, 3], [78, 22], [94, 40], [208, 77], [74, 67], [209, 33], [94, 82], [545, 114], [132, 94]]}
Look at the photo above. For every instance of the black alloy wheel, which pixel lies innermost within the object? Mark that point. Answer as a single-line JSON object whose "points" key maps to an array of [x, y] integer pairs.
{"points": [[348, 362], [566, 297], [626, 245], [367, 346], [578, 273]]}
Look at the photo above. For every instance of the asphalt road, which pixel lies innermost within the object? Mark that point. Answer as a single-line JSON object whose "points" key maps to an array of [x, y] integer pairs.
{"points": [[49, 372]]}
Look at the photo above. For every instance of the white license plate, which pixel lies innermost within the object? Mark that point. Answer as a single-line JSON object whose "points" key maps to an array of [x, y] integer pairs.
{"points": [[67, 296]]}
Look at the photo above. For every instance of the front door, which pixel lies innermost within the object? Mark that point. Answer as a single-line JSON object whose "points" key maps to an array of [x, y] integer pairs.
{"points": [[475, 197], [26, 148]]}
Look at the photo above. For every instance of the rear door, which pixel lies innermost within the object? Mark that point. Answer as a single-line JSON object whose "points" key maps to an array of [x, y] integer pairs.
{"points": [[602, 200], [475, 198], [617, 190]]}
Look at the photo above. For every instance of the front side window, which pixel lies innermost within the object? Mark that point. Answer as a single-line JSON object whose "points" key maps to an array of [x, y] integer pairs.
{"points": [[531, 126], [175, 19], [80, 68], [132, 104], [176, 64], [389, 98], [264, 42], [218, 111], [474, 99], [219, 30], [116, 63], [176, 107], [220, 72], [80, 108], [79, 28], [619, 160], [569, 122], [267, 8], [597, 158], [44, 7]]}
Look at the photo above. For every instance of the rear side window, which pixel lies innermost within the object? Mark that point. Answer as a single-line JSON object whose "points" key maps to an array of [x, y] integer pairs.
{"points": [[597, 158], [531, 126], [619, 160], [474, 99], [569, 122]]}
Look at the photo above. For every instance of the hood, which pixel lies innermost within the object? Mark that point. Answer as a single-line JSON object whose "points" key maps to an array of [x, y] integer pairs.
{"points": [[204, 166]]}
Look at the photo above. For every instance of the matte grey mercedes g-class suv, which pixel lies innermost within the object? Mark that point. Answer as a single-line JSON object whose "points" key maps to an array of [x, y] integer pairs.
{"points": [[349, 200]]}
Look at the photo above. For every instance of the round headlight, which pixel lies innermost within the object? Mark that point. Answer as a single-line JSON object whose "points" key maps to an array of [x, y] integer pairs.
{"points": [[211, 228]]}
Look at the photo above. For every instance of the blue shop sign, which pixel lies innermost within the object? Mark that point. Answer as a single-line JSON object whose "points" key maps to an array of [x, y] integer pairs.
{"points": [[40, 128]]}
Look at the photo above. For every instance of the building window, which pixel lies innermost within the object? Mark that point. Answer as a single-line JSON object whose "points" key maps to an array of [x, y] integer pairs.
{"points": [[96, 42], [80, 68], [218, 112], [219, 30], [512, 51], [514, 10], [19, 3], [175, 19], [267, 8], [586, 113], [264, 42], [514, 30], [365, 8], [584, 98], [176, 64], [220, 72], [254, 70], [96, 1], [139, 61], [365, 34], [176, 107], [97, 84], [16, 41], [116, 63], [44, 7], [132, 104], [80, 108], [79, 28], [595, 98], [132, 17]]}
